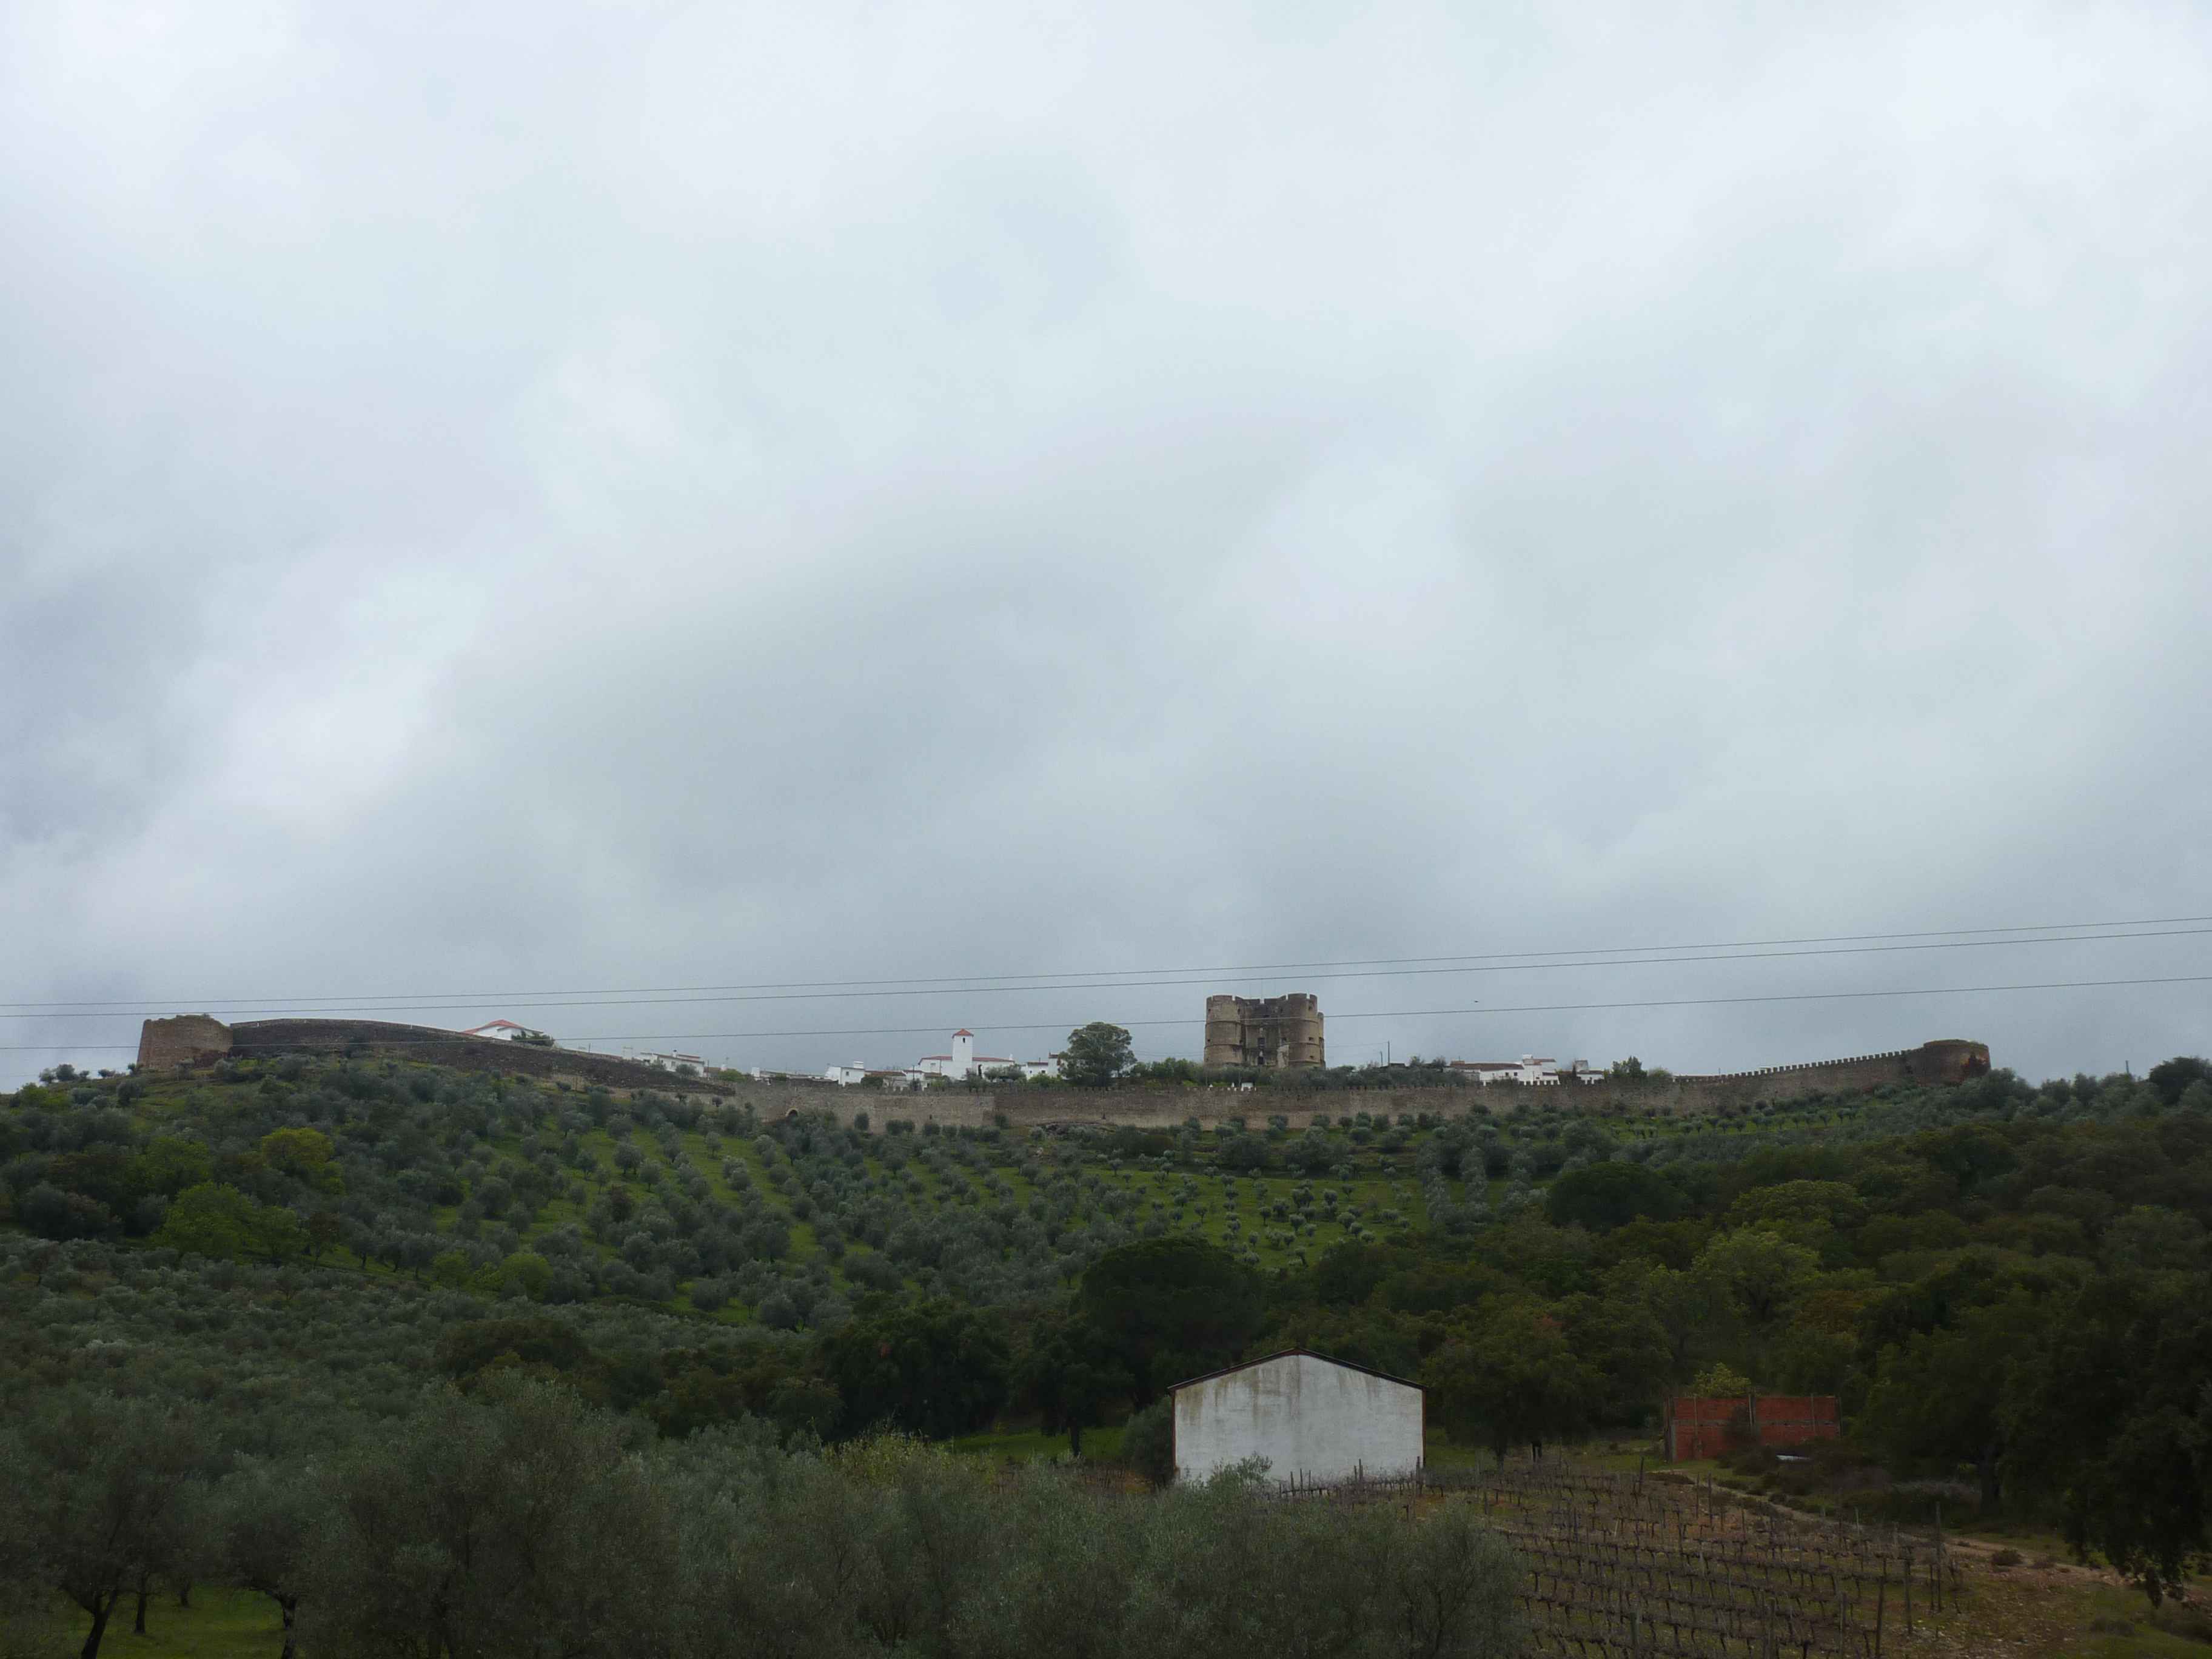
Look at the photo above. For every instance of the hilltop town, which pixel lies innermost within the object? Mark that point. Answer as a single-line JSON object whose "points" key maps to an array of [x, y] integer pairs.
{"points": [[1275, 1044]]}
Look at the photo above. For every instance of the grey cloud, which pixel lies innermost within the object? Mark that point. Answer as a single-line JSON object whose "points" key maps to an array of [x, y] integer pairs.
{"points": [[684, 497]]}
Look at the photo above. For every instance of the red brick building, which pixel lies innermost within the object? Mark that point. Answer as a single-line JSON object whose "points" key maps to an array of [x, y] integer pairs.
{"points": [[1705, 1428]]}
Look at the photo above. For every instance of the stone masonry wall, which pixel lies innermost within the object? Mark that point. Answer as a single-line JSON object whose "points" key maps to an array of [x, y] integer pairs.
{"points": [[1284, 1032], [183, 1040], [194, 1039], [1943, 1062], [435, 1048], [1947, 1061]]}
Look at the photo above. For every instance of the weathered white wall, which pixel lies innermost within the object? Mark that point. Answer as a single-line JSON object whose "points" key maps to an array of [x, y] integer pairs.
{"points": [[1311, 1419]]}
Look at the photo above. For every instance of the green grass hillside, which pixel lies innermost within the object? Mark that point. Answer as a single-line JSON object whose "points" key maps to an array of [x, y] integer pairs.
{"points": [[737, 1213]]}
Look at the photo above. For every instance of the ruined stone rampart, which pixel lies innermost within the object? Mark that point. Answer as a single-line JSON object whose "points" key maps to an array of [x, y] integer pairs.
{"points": [[194, 1039], [183, 1040]]}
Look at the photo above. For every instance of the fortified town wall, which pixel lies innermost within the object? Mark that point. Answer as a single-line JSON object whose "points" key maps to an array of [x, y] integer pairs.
{"points": [[1946, 1061], [196, 1040]]}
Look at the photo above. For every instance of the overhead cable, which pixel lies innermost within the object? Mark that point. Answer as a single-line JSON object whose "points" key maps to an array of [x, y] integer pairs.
{"points": [[298, 1008], [885, 985], [1379, 1014]]}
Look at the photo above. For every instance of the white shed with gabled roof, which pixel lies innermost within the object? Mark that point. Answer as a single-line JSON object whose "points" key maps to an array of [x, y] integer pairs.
{"points": [[1314, 1418]]}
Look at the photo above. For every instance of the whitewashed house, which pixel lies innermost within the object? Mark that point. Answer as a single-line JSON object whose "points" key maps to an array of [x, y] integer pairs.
{"points": [[1314, 1418], [1531, 1071], [961, 1063], [858, 1076], [1489, 1071], [958, 1063], [964, 1062], [665, 1062]]}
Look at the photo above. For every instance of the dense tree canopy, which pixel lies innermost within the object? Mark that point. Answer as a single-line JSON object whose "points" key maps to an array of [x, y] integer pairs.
{"points": [[1171, 1308], [2002, 1283], [96, 1489], [1510, 1378], [930, 1368], [215, 1220], [1603, 1196], [1096, 1054]]}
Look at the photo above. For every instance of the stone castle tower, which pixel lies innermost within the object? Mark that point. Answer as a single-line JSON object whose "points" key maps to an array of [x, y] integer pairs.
{"points": [[1276, 1033]]}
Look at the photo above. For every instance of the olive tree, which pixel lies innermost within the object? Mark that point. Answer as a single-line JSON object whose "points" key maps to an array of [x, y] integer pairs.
{"points": [[513, 1521], [93, 1485], [267, 1512]]}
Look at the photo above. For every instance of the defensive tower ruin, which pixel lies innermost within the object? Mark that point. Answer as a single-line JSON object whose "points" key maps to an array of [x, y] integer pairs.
{"points": [[1269, 1033]]}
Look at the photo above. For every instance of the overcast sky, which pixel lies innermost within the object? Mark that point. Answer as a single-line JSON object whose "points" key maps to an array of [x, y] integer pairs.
{"points": [[512, 498]]}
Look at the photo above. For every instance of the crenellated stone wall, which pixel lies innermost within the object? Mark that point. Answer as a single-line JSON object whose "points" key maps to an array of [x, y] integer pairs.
{"points": [[1946, 1061]]}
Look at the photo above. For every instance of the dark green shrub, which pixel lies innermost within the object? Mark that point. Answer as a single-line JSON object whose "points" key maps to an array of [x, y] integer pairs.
{"points": [[1148, 1441]]}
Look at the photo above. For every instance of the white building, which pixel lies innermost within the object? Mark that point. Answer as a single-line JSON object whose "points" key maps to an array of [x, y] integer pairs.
{"points": [[858, 1076], [964, 1062], [1312, 1418], [666, 1062], [958, 1063], [1489, 1071], [1532, 1071], [500, 1030]]}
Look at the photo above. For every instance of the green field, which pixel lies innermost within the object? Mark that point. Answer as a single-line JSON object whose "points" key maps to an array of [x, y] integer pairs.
{"points": [[220, 1624]]}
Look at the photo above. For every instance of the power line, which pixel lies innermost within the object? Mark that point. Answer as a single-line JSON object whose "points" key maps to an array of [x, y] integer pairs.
{"points": [[1373, 1013], [429, 998], [358, 1006]]}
